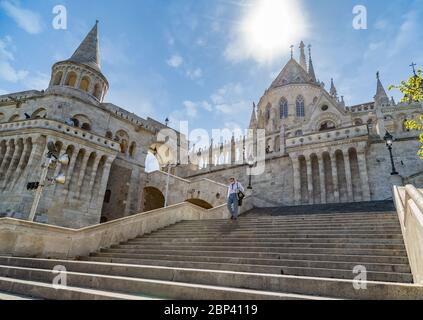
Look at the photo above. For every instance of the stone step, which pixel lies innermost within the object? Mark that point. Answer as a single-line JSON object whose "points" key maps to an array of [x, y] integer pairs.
{"points": [[137, 287], [383, 250], [269, 237], [281, 231], [312, 217], [234, 241], [293, 271], [262, 245], [238, 225], [42, 290], [150, 254], [4, 296], [274, 283], [346, 265], [260, 222]]}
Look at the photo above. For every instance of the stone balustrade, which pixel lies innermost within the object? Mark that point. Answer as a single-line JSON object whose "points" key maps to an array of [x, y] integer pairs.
{"points": [[62, 128], [328, 136], [409, 204]]}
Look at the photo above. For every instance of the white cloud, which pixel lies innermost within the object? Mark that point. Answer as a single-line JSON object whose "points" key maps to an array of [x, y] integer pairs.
{"points": [[407, 33], [266, 30], [191, 109], [40, 81], [175, 61], [194, 74], [7, 71], [26, 19]]}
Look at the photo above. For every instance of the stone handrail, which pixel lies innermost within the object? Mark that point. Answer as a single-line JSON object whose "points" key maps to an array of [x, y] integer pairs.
{"points": [[28, 239], [409, 204], [62, 128]]}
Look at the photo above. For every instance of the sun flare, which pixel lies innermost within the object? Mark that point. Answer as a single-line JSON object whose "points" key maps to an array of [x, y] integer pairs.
{"points": [[267, 29]]}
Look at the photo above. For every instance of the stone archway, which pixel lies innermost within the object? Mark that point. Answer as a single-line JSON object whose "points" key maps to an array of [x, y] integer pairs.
{"points": [[153, 199], [201, 203]]}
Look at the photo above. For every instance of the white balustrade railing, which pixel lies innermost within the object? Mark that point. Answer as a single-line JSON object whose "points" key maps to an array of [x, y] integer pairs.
{"points": [[409, 204]]}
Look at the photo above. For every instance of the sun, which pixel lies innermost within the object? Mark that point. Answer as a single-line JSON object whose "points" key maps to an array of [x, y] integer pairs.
{"points": [[268, 28]]}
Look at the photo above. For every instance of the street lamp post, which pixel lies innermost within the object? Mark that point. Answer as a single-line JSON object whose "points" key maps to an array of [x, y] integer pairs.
{"points": [[251, 164], [52, 158], [389, 139]]}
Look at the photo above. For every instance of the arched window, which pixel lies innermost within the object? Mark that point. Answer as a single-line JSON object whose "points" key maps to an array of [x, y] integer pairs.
{"points": [[107, 196], [40, 113], [268, 110], [86, 126], [283, 108], [300, 107], [109, 135], [327, 125], [97, 91], [132, 149], [358, 122], [58, 78], [299, 133], [71, 79], [85, 83], [14, 118]]}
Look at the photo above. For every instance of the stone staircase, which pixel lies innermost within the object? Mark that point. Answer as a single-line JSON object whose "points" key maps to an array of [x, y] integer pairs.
{"points": [[261, 256]]}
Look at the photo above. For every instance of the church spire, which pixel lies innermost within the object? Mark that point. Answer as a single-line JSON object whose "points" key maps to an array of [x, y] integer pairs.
{"points": [[303, 62], [381, 97], [88, 52], [310, 66], [333, 92], [253, 121]]}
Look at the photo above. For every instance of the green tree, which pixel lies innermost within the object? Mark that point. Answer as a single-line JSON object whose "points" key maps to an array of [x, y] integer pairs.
{"points": [[413, 91]]}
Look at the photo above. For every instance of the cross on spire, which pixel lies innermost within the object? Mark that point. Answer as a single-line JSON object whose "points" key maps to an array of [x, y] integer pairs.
{"points": [[413, 65]]}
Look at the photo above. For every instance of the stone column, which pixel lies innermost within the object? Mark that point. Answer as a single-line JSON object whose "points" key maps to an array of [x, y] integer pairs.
{"points": [[93, 175], [38, 147], [82, 174], [348, 175], [334, 177], [322, 179], [13, 163], [133, 192], [7, 158], [297, 179], [362, 164], [309, 180], [21, 164], [99, 198], [69, 172]]}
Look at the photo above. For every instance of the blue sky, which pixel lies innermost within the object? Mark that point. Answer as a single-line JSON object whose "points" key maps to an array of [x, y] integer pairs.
{"points": [[202, 60]]}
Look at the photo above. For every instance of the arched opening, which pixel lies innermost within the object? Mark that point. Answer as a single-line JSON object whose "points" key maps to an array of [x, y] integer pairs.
{"points": [[300, 105], [97, 91], [277, 147], [200, 203], [153, 199], [86, 126], [358, 122], [57, 78], [71, 79], [299, 133], [15, 117], [85, 83], [82, 121], [355, 174], [109, 135], [40, 113], [342, 179], [327, 125], [107, 196]]}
